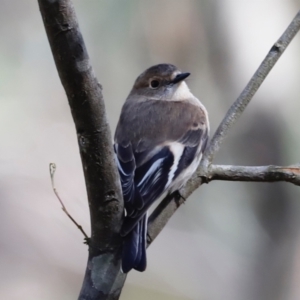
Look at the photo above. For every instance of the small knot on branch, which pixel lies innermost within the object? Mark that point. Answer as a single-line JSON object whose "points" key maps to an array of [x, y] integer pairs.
{"points": [[83, 142], [277, 48]]}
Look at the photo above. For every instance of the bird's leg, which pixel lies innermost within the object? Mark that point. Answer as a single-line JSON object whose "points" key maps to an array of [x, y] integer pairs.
{"points": [[177, 196], [149, 239]]}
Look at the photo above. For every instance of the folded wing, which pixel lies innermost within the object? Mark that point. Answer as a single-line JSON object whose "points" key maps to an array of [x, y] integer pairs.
{"points": [[150, 158]]}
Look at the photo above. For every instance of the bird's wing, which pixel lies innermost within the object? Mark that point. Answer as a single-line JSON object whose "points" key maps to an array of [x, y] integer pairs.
{"points": [[152, 148], [142, 185]]}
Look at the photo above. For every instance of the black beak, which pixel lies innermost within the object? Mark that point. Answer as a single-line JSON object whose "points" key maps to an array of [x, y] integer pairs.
{"points": [[180, 77]]}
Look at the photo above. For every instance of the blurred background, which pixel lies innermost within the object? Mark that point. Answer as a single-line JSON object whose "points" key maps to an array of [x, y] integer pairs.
{"points": [[238, 241]]}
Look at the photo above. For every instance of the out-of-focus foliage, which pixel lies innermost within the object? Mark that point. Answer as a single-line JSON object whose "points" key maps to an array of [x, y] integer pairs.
{"points": [[231, 240]]}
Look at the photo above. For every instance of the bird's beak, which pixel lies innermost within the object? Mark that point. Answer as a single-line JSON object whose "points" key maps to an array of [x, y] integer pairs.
{"points": [[180, 77]]}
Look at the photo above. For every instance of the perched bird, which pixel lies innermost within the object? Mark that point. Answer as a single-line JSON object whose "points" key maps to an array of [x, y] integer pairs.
{"points": [[162, 132]]}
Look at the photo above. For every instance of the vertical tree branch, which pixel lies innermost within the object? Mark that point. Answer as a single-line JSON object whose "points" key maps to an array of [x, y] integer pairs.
{"points": [[102, 279]]}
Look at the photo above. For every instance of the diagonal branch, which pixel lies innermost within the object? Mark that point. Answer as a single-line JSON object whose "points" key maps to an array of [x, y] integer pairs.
{"points": [[238, 107], [103, 279], [168, 206]]}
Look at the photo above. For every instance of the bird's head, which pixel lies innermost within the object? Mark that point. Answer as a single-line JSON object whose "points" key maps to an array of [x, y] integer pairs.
{"points": [[162, 82]]}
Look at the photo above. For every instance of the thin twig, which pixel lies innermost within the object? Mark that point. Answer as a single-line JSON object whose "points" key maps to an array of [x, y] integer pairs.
{"points": [[168, 206], [102, 278], [52, 169], [253, 173]]}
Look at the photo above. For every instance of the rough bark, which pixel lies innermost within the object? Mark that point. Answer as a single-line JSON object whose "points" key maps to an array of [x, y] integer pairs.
{"points": [[103, 279]]}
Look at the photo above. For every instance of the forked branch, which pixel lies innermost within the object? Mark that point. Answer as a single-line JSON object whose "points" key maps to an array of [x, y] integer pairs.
{"points": [[168, 206], [103, 279]]}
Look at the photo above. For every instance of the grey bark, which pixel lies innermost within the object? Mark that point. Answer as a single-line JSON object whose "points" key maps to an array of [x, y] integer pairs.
{"points": [[254, 173], [103, 279]]}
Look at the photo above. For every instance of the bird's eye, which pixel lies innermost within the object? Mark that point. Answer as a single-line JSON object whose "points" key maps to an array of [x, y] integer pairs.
{"points": [[154, 84]]}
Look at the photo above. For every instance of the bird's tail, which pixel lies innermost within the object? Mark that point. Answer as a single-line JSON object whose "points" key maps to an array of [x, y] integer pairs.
{"points": [[134, 247]]}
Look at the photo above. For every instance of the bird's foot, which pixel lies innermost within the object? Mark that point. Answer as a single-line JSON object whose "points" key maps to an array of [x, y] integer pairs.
{"points": [[149, 239], [179, 199]]}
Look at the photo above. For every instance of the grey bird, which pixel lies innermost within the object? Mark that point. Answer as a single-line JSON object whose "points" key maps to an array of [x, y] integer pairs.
{"points": [[160, 137]]}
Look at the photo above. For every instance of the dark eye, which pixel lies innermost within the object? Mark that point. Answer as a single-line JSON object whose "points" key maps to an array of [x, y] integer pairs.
{"points": [[154, 84]]}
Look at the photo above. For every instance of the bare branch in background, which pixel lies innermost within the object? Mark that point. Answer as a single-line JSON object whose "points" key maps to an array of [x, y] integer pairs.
{"points": [[167, 207]]}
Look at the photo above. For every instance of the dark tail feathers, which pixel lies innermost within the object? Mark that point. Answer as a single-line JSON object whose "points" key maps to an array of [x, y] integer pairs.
{"points": [[134, 248]]}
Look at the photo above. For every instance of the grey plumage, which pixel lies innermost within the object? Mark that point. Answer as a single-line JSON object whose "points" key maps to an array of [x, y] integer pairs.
{"points": [[162, 132]]}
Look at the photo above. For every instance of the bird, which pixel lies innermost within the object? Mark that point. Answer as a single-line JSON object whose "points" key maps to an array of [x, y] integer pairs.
{"points": [[159, 140]]}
